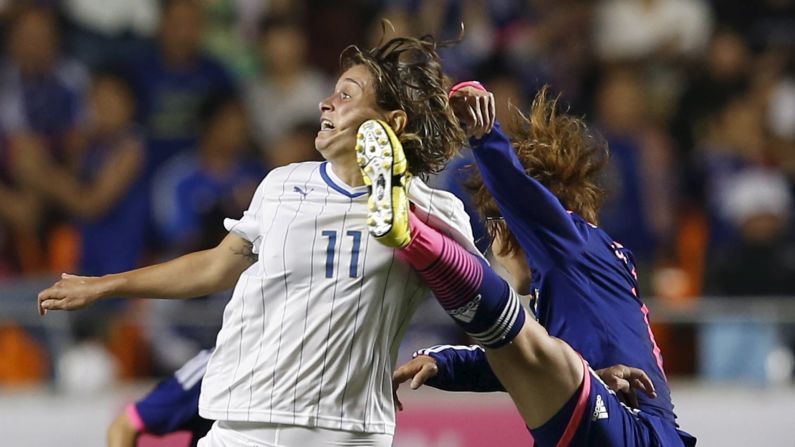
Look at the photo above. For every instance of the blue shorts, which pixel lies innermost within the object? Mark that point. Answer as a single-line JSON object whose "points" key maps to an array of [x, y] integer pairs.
{"points": [[595, 417], [174, 403]]}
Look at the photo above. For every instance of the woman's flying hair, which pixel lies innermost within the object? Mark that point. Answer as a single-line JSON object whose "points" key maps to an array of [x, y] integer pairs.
{"points": [[408, 76], [559, 151]]}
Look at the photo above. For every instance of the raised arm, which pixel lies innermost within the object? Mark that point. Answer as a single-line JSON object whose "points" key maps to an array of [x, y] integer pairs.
{"points": [[192, 275], [541, 224]]}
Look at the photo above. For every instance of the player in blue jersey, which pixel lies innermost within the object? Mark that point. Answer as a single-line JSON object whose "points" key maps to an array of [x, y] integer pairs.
{"points": [[172, 406], [584, 282]]}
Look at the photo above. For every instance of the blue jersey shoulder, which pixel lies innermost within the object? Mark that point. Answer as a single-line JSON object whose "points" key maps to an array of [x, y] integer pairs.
{"points": [[174, 403]]}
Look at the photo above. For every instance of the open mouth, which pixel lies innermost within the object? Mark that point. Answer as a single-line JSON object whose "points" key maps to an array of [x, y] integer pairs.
{"points": [[326, 125]]}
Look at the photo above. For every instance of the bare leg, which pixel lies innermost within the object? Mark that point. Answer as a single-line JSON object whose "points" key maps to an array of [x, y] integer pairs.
{"points": [[540, 372]]}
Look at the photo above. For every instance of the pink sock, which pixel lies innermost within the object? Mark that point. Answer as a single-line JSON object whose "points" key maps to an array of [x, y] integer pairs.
{"points": [[475, 297], [135, 418], [438, 259], [425, 247]]}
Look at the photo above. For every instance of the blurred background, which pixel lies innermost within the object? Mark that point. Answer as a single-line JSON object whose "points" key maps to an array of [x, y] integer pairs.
{"points": [[129, 129]]}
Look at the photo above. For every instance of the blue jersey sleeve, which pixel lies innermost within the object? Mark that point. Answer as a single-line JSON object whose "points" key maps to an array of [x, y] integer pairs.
{"points": [[462, 368], [541, 224], [174, 403]]}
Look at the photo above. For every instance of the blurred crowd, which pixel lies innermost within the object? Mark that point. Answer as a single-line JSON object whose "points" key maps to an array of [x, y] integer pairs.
{"points": [[128, 129]]}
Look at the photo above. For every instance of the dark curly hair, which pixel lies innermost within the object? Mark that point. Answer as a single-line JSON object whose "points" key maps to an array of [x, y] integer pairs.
{"points": [[559, 151], [408, 76]]}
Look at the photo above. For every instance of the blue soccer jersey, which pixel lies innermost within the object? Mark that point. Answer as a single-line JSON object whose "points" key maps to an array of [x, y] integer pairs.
{"points": [[585, 283], [173, 405]]}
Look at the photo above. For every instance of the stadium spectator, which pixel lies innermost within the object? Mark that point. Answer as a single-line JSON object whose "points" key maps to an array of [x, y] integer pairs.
{"points": [[758, 202], [173, 80], [540, 49], [724, 74], [41, 92], [734, 140], [41, 104], [230, 30], [638, 211], [105, 195], [331, 27], [761, 263], [763, 24], [287, 90], [192, 193], [444, 19], [107, 32], [646, 29]]}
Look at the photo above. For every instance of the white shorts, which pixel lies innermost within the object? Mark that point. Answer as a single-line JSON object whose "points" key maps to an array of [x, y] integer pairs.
{"points": [[260, 434]]}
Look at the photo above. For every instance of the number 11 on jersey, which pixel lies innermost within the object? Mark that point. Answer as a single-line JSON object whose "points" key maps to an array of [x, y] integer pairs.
{"points": [[356, 237]]}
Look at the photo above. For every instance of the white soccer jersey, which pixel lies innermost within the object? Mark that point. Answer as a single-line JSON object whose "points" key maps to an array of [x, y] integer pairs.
{"points": [[311, 333]]}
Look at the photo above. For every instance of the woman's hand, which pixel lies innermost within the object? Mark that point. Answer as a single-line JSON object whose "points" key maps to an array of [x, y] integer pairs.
{"points": [[70, 293], [475, 109], [624, 380]]}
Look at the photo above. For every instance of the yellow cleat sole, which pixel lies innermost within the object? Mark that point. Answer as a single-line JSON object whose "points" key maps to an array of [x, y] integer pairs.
{"points": [[384, 168]]}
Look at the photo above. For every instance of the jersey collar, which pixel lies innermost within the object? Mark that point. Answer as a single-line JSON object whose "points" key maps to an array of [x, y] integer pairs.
{"points": [[338, 185]]}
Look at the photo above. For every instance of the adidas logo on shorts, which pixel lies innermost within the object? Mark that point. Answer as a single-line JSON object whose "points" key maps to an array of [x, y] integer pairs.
{"points": [[599, 411]]}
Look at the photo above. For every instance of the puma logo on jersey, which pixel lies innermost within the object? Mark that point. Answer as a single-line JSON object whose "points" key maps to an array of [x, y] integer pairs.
{"points": [[301, 191], [599, 411], [466, 313]]}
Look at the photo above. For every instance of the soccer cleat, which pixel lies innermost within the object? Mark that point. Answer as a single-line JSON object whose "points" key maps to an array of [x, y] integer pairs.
{"points": [[385, 171]]}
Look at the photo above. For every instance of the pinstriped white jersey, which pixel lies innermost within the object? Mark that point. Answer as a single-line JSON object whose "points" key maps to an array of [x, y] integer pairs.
{"points": [[311, 333]]}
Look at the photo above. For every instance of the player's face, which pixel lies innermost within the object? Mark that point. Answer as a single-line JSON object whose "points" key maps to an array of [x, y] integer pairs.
{"points": [[516, 265], [352, 103]]}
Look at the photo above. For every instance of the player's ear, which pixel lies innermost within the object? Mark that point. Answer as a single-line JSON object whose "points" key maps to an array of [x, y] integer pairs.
{"points": [[397, 120]]}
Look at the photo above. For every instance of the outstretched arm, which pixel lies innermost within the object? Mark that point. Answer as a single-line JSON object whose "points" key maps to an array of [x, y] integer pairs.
{"points": [[465, 368], [449, 368], [192, 275]]}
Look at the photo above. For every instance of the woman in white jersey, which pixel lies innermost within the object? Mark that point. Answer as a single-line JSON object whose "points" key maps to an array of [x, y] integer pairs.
{"points": [[309, 339]]}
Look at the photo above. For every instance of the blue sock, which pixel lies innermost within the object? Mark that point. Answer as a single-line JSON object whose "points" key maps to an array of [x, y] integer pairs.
{"points": [[477, 299]]}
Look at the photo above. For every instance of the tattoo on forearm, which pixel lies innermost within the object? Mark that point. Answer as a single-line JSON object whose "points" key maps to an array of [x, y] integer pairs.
{"points": [[246, 251]]}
